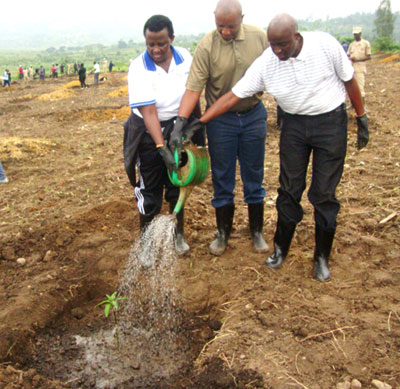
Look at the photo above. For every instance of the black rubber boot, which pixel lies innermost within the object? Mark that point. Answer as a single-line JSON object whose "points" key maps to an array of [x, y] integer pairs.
{"points": [[323, 246], [224, 217], [256, 221], [181, 247], [145, 220], [282, 239]]}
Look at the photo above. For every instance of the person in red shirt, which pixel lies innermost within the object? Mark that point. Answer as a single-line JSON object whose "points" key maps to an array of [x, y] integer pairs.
{"points": [[21, 72]]}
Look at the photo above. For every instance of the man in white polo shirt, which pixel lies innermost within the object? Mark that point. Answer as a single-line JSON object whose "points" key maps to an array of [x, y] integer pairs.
{"points": [[308, 74], [156, 83], [96, 69]]}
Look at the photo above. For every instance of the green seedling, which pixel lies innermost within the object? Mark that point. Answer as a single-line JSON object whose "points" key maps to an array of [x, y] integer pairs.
{"points": [[111, 304]]}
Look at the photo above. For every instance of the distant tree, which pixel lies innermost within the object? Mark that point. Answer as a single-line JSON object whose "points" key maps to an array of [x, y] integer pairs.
{"points": [[384, 21], [122, 44], [51, 49], [131, 43]]}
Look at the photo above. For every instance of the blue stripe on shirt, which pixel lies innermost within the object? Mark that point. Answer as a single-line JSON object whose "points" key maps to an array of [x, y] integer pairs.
{"points": [[142, 104]]}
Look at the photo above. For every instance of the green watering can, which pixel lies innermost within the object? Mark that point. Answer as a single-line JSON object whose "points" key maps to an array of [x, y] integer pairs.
{"points": [[192, 171]]}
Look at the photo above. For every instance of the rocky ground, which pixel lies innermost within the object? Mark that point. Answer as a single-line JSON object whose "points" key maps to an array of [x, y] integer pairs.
{"points": [[68, 221]]}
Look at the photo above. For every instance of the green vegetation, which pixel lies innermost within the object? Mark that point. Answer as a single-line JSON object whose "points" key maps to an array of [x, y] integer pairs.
{"points": [[381, 28], [384, 27], [11, 59], [119, 54], [111, 304]]}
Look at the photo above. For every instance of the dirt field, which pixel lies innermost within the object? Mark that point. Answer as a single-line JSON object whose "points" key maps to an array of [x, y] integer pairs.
{"points": [[69, 211]]}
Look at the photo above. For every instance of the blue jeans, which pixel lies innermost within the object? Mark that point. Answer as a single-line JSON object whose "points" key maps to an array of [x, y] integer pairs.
{"points": [[2, 173], [241, 136]]}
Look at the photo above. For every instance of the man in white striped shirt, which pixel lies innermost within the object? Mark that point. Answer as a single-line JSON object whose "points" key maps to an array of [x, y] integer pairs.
{"points": [[308, 74]]}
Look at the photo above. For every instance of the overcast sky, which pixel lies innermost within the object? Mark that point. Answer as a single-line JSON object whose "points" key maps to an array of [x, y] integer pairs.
{"points": [[187, 15]]}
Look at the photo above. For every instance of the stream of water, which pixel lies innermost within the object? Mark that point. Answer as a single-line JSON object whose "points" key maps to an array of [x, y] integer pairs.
{"points": [[149, 321]]}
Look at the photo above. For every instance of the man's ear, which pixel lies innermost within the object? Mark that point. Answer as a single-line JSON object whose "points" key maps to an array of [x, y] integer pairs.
{"points": [[171, 38]]}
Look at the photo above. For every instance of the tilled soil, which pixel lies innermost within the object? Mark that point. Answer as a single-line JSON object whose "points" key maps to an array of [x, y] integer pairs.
{"points": [[69, 211]]}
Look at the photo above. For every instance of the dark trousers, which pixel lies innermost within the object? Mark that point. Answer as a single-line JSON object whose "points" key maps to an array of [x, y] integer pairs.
{"points": [[325, 136], [153, 179]]}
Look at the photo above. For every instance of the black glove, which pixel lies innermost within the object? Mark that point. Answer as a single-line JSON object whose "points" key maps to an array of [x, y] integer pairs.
{"points": [[175, 140], [362, 131], [168, 158], [192, 128]]}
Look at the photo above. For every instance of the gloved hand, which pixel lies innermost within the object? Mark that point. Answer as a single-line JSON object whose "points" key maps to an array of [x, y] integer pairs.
{"points": [[191, 129], [175, 140], [362, 131], [168, 158]]}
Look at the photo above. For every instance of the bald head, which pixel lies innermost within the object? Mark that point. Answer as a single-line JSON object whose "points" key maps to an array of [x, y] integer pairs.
{"points": [[284, 38], [228, 19], [283, 22], [225, 7]]}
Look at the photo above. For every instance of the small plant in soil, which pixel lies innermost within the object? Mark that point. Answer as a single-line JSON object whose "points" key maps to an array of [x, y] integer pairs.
{"points": [[111, 304]]}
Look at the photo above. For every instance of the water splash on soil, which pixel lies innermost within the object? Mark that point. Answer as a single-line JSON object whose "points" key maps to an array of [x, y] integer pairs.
{"points": [[152, 342]]}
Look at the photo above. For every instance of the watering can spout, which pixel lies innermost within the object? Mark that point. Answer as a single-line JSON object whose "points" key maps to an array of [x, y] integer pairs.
{"points": [[192, 171], [184, 193]]}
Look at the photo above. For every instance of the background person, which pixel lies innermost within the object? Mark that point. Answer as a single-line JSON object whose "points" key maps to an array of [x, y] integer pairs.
{"points": [[3, 177], [6, 79], [42, 73], [221, 59], [156, 82], [308, 74], [82, 76], [359, 52], [96, 72]]}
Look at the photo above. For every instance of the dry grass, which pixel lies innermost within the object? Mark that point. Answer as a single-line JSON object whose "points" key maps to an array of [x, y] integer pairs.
{"points": [[72, 84], [123, 91], [102, 115], [24, 98], [58, 94], [391, 58], [20, 148]]}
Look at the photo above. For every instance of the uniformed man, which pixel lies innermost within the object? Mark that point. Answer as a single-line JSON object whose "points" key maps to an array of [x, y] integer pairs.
{"points": [[359, 52]]}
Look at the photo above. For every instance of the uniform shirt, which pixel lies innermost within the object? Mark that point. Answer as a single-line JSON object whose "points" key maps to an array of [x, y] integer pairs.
{"points": [[150, 84], [219, 64], [96, 68], [310, 84], [359, 50]]}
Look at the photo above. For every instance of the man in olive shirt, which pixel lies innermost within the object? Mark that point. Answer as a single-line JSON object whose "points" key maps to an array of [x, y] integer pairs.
{"points": [[359, 52], [221, 59]]}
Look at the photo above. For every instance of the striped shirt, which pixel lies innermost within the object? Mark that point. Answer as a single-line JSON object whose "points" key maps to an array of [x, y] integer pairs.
{"points": [[310, 84], [150, 84]]}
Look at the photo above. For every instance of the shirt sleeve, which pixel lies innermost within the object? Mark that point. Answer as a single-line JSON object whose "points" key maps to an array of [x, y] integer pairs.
{"points": [[199, 71], [252, 82], [140, 86], [367, 48], [341, 62]]}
